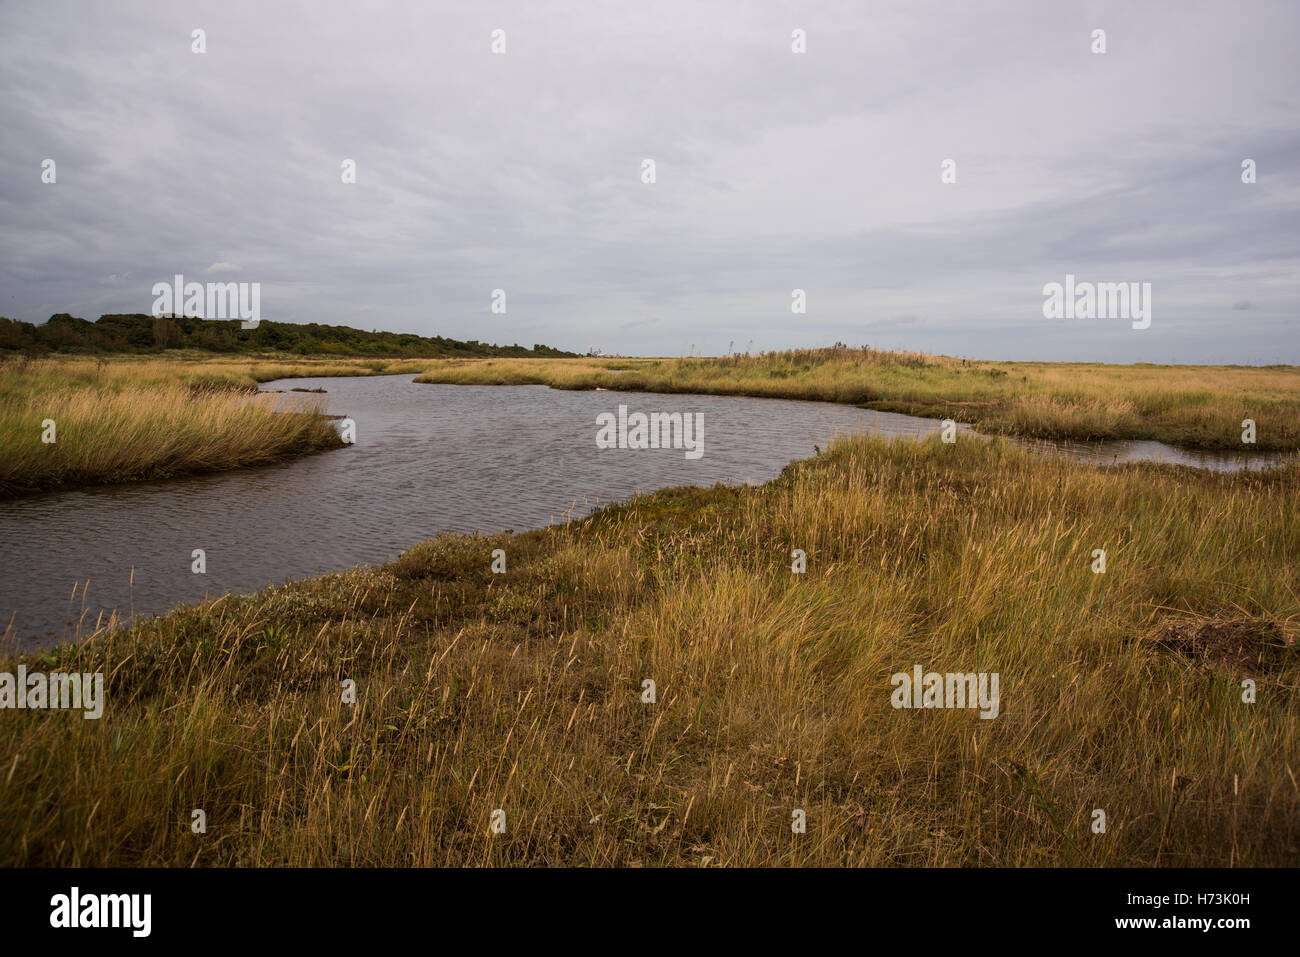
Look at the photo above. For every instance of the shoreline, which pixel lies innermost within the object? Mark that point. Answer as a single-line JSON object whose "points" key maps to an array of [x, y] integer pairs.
{"points": [[1097, 403], [77, 423], [884, 407], [613, 383], [1033, 406], [757, 669], [1012, 443]]}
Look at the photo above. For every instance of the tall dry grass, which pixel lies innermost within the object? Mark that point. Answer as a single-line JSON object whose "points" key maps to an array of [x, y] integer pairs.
{"points": [[523, 691], [131, 418], [117, 421], [192, 369], [151, 432]]}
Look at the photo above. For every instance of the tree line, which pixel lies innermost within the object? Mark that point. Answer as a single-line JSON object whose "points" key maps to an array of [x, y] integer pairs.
{"points": [[142, 333]]}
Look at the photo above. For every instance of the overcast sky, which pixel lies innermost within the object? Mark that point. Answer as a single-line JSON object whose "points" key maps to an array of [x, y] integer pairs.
{"points": [[774, 170]]}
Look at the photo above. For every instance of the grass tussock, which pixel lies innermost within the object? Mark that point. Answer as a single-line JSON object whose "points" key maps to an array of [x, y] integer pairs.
{"points": [[131, 419], [1199, 407], [522, 691]]}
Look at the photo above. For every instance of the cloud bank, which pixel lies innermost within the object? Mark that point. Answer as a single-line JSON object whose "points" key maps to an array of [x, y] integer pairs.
{"points": [[774, 171]]}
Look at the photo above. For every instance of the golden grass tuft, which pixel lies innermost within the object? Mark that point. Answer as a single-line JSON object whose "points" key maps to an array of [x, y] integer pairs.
{"points": [[135, 418]]}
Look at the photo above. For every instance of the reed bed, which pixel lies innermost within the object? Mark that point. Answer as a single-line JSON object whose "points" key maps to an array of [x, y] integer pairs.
{"points": [[136, 418], [522, 692], [194, 370]]}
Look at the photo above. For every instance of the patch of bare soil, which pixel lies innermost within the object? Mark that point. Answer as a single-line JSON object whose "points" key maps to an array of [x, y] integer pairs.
{"points": [[1247, 645]]}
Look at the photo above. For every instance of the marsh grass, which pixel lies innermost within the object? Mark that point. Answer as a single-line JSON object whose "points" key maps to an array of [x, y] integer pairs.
{"points": [[133, 418], [1199, 407], [522, 691]]}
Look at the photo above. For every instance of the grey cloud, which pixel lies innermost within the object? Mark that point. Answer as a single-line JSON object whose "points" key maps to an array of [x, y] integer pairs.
{"points": [[775, 171]]}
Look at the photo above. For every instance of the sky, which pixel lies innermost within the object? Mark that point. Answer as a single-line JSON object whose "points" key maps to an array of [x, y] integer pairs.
{"points": [[774, 170]]}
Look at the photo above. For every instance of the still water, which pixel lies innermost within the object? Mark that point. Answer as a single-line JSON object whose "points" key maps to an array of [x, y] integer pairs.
{"points": [[427, 459]]}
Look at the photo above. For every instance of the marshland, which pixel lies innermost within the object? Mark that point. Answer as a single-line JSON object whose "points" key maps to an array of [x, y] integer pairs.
{"points": [[127, 418], [1160, 691], [138, 417], [1200, 407]]}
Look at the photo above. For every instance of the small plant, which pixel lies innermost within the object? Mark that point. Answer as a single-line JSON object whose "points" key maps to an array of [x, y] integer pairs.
{"points": [[273, 636]]}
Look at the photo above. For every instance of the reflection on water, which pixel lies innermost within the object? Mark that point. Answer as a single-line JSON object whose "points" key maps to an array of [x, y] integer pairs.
{"points": [[1118, 453], [428, 459]]}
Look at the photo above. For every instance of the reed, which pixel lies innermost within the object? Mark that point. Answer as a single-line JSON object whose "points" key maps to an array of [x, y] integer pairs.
{"points": [[134, 418]]}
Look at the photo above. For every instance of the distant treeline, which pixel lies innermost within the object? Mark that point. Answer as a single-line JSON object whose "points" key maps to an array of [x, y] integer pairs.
{"points": [[144, 333]]}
